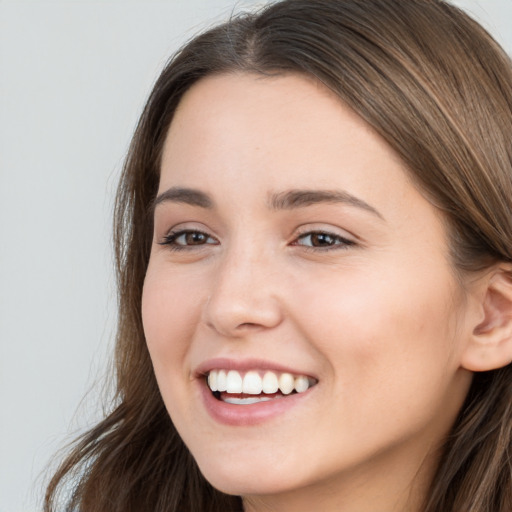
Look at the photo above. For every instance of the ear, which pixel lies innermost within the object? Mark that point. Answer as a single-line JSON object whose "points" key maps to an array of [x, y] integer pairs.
{"points": [[490, 346]]}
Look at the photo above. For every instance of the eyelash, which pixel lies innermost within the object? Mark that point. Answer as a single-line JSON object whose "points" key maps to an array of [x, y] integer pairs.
{"points": [[336, 242], [171, 238]]}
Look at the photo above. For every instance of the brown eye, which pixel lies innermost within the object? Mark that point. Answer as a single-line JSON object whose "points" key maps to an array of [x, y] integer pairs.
{"points": [[322, 240], [187, 238], [193, 238]]}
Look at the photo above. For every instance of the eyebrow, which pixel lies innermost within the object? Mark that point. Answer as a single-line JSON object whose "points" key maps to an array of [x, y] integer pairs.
{"points": [[189, 196], [287, 200], [291, 199]]}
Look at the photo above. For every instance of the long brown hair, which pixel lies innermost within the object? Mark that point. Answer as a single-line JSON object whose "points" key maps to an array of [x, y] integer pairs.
{"points": [[438, 89]]}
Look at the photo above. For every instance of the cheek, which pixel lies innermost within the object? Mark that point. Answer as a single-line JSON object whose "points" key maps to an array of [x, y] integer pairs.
{"points": [[387, 332], [170, 314]]}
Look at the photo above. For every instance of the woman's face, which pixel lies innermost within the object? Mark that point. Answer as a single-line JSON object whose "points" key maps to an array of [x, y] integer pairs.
{"points": [[291, 249]]}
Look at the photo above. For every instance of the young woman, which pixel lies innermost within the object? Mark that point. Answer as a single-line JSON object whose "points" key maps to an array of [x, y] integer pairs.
{"points": [[314, 246]]}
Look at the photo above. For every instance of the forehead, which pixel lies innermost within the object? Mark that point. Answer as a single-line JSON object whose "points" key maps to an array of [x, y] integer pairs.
{"points": [[286, 124]]}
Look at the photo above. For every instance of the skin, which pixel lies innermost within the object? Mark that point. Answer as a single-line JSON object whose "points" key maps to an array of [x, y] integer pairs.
{"points": [[378, 317]]}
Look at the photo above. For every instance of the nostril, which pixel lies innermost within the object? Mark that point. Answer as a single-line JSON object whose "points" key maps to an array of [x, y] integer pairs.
{"points": [[248, 324]]}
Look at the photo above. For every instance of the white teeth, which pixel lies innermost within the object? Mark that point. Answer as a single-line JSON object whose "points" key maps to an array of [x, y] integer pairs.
{"points": [[221, 380], [301, 384], [286, 383], [212, 381], [233, 382], [270, 383], [246, 401], [252, 384]]}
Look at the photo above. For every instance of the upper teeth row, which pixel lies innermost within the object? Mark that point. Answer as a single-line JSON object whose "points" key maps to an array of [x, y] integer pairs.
{"points": [[253, 384]]}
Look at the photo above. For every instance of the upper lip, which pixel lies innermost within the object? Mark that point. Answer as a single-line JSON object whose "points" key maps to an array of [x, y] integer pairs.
{"points": [[243, 365]]}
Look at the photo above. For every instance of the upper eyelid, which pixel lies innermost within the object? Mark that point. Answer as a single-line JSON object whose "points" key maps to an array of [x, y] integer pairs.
{"points": [[187, 227], [183, 231], [174, 231], [344, 240], [322, 232], [306, 229]]}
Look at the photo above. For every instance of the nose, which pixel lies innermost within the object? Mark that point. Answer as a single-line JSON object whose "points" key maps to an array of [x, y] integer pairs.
{"points": [[245, 296]]}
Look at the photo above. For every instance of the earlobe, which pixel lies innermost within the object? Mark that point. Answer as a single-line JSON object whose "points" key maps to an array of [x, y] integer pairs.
{"points": [[490, 346]]}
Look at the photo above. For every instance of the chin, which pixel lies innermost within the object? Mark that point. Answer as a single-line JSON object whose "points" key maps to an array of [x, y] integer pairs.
{"points": [[246, 479]]}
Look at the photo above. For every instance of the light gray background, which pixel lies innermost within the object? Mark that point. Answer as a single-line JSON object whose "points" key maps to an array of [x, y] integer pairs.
{"points": [[73, 78]]}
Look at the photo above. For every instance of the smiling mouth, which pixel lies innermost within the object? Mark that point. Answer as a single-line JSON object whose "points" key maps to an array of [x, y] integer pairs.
{"points": [[234, 387]]}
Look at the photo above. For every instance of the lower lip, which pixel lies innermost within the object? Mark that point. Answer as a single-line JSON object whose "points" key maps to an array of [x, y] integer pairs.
{"points": [[251, 414]]}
